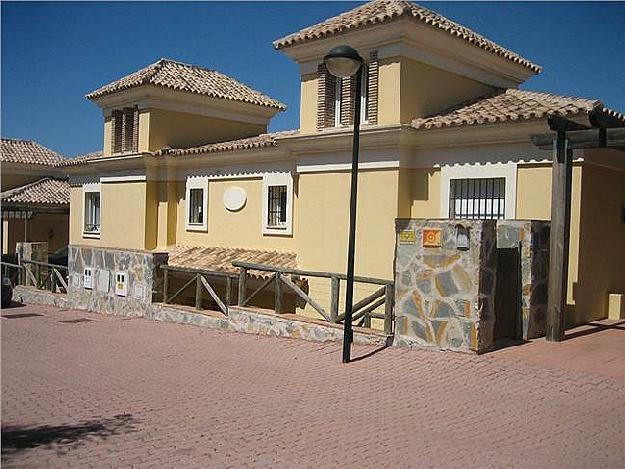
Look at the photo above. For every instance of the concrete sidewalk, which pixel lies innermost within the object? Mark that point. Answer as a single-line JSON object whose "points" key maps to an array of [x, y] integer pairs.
{"points": [[119, 392]]}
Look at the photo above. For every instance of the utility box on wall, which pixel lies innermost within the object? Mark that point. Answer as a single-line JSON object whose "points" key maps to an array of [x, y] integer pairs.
{"points": [[121, 281], [444, 283]]}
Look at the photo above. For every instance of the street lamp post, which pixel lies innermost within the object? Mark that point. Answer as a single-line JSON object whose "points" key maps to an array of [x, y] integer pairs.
{"points": [[344, 62]]}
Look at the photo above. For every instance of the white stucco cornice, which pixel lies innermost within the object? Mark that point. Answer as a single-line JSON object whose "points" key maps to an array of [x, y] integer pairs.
{"points": [[153, 97], [420, 42]]}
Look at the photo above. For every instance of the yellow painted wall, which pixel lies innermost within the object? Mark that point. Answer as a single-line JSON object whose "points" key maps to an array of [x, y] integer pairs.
{"points": [[152, 193], [108, 137], [425, 190], [144, 131], [308, 103], [122, 218], [389, 91], [426, 90], [601, 264], [533, 200], [322, 234], [178, 129], [234, 229]]}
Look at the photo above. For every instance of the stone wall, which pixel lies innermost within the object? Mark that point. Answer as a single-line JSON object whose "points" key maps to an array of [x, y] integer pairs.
{"points": [[143, 279], [444, 293], [532, 238]]}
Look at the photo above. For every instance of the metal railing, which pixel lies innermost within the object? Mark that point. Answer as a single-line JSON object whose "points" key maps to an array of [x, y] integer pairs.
{"points": [[363, 311], [202, 279]]}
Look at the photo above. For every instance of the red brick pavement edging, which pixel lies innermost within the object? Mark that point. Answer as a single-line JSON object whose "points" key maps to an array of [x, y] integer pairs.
{"points": [[119, 392]]}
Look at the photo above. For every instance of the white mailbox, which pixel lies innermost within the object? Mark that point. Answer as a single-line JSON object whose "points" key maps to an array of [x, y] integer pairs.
{"points": [[121, 284], [87, 279]]}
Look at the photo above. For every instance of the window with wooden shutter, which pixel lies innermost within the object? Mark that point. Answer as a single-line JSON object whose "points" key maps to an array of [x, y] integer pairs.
{"points": [[326, 98], [125, 130], [336, 97]]}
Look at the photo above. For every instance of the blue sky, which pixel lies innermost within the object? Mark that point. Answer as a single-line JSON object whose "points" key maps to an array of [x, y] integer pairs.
{"points": [[55, 53]]}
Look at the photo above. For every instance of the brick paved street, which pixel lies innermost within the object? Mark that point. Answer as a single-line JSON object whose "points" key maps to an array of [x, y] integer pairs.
{"points": [[119, 392]]}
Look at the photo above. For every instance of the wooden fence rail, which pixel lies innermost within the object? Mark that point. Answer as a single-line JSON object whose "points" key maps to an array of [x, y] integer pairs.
{"points": [[14, 272], [199, 278], [363, 310], [45, 276]]}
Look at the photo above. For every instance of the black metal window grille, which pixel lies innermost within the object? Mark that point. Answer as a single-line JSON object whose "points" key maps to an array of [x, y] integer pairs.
{"points": [[276, 213], [481, 198], [92, 212], [196, 206]]}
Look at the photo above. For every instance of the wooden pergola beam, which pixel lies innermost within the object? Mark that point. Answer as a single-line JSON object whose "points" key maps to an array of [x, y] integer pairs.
{"points": [[588, 138]]}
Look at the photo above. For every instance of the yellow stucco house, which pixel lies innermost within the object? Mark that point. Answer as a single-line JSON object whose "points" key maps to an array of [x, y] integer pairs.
{"points": [[187, 161]]}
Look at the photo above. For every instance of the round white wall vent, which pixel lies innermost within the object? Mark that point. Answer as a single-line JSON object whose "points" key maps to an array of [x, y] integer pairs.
{"points": [[234, 198]]}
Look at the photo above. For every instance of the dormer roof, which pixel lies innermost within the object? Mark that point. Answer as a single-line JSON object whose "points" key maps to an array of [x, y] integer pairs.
{"points": [[509, 105], [28, 152], [386, 11], [188, 78], [46, 191]]}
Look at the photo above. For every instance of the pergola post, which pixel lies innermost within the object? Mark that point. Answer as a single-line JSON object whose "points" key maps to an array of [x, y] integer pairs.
{"points": [[608, 132], [561, 178], [561, 182]]}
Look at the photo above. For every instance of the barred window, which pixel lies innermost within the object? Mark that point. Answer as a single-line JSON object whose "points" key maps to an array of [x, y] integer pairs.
{"points": [[480, 198], [92, 213], [196, 206], [276, 212]]}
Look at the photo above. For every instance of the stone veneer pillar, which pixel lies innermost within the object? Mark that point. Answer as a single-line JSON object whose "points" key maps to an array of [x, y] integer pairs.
{"points": [[444, 292]]}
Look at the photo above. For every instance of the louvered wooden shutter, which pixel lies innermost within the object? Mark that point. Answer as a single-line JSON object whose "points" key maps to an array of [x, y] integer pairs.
{"points": [[116, 131], [372, 88], [135, 129], [326, 94], [347, 101]]}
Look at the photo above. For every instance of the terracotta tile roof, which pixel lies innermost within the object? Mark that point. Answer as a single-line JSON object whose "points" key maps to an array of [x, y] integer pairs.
{"points": [[81, 159], [46, 191], [384, 11], [189, 78], [510, 105], [27, 152], [220, 259], [258, 141]]}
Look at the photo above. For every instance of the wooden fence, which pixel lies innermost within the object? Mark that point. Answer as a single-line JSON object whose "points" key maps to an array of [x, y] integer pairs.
{"points": [[362, 312], [202, 279], [41, 275]]}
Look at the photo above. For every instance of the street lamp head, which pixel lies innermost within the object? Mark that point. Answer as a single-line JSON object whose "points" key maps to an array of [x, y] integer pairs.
{"points": [[343, 61]]}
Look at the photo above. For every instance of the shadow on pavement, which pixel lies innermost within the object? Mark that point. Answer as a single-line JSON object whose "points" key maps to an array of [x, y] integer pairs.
{"points": [[14, 304], [63, 438], [593, 327], [367, 355]]}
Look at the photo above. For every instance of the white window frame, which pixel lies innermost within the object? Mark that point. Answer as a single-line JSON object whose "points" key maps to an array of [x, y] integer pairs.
{"points": [[90, 188], [481, 171], [338, 101], [196, 182], [278, 179], [364, 94]]}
